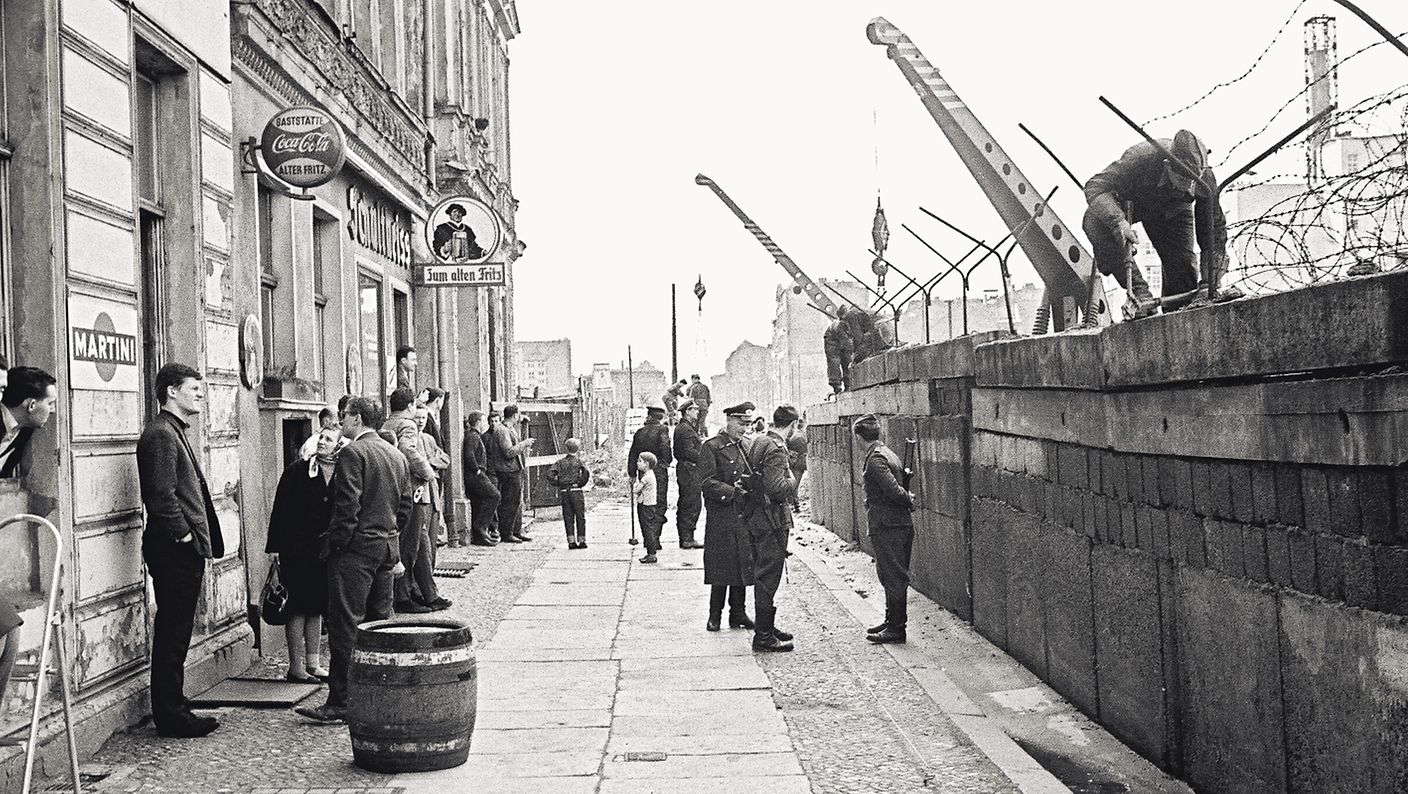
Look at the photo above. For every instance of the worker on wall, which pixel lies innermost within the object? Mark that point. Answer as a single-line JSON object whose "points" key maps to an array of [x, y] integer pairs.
{"points": [[1176, 210], [865, 335], [839, 347]]}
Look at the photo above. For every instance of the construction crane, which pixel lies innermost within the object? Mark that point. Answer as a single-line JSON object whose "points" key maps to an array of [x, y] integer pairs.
{"points": [[1072, 285], [813, 290]]}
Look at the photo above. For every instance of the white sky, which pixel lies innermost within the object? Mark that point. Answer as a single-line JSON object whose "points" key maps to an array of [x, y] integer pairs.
{"points": [[617, 105]]}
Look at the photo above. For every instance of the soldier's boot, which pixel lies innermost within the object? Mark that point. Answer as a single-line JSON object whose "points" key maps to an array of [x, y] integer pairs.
{"points": [[740, 620], [763, 637], [738, 608], [878, 628], [716, 607], [896, 619]]}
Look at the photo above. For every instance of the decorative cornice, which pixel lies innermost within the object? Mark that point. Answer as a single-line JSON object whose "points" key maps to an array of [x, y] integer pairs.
{"points": [[362, 87]]}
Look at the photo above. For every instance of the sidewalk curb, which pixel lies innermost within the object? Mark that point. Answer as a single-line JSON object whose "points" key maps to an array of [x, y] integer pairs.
{"points": [[984, 732]]}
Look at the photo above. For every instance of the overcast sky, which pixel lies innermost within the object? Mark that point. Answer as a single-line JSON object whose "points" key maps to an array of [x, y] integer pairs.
{"points": [[617, 105]]}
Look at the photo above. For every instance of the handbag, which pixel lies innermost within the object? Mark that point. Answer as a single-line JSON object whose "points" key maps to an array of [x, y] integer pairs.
{"points": [[273, 603]]}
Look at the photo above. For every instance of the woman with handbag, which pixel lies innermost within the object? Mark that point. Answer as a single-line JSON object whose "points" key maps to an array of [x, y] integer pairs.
{"points": [[302, 510]]}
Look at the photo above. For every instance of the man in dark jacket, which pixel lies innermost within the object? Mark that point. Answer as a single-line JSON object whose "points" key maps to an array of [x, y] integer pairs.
{"points": [[1176, 211], [479, 485], [839, 347], [889, 512], [686, 448], [770, 522], [371, 500], [865, 336], [182, 532], [505, 455], [728, 557], [797, 461], [654, 437]]}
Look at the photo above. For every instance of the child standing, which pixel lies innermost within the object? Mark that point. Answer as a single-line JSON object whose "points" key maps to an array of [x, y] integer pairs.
{"points": [[569, 476], [644, 490]]}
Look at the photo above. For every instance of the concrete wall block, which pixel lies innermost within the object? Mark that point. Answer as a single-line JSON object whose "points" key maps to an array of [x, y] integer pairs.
{"points": [[1150, 491], [1301, 546], [1224, 540], [1290, 509], [1346, 730], [1343, 486], [940, 562], [1134, 478], [1129, 526], [1239, 480], [1154, 533], [1074, 467], [1026, 563], [1315, 496], [1278, 556], [1176, 482], [1391, 579], [1230, 697], [1033, 459], [1186, 536], [1376, 505], [1254, 554], [1329, 573], [1263, 484], [1100, 519], [1091, 505], [1357, 563], [989, 533], [1067, 604], [1203, 498], [1049, 456], [1114, 476], [1130, 669]]}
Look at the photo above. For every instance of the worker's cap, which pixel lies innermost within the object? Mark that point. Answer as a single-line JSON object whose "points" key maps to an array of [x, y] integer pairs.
{"points": [[869, 420], [743, 410], [1191, 152], [685, 405], [785, 415]]}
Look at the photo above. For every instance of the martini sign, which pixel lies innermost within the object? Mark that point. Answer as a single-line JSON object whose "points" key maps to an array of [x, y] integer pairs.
{"points": [[303, 146]]}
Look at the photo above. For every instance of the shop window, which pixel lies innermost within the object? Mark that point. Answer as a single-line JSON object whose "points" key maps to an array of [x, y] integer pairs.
{"points": [[326, 259], [401, 311], [374, 372], [268, 277]]}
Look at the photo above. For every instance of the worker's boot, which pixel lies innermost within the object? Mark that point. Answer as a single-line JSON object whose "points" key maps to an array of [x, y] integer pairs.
{"points": [[763, 637], [1141, 299]]}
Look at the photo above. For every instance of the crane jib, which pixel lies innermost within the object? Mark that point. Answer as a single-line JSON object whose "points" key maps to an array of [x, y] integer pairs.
{"points": [[804, 281], [1052, 246]]}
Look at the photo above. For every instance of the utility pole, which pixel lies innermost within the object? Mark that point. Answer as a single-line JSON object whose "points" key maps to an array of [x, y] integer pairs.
{"points": [[674, 341], [630, 379]]}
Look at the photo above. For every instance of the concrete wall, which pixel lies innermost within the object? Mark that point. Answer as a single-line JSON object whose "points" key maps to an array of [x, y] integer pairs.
{"points": [[1195, 527]]}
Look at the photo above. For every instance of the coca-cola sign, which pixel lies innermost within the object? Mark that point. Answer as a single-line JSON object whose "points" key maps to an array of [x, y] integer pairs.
{"points": [[303, 146]]}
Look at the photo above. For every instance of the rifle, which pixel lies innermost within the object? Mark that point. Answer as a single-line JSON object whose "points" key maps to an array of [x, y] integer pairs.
{"points": [[911, 452]]}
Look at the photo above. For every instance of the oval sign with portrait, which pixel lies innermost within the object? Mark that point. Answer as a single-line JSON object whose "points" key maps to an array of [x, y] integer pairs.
{"points": [[463, 231], [303, 146]]}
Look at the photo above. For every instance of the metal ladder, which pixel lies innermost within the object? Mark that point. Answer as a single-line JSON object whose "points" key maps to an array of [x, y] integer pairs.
{"points": [[52, 625]]}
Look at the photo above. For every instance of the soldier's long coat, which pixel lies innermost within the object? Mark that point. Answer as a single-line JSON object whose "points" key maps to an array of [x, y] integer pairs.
{"points": [[728, 557]]}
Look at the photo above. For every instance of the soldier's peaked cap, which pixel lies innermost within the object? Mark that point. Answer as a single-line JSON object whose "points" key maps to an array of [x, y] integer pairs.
{"points": [[744, 409], [868, 419]]}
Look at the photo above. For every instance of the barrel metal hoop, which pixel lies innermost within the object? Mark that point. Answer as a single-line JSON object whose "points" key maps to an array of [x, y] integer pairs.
{"points": [[419, 658]]}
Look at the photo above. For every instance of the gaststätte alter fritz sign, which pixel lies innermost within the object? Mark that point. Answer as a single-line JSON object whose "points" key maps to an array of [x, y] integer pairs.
{"points": [[303, 146]]}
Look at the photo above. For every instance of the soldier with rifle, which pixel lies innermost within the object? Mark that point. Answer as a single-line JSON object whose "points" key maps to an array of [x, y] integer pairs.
{"points": [[769, 489], [889, 508], [728, 557]]}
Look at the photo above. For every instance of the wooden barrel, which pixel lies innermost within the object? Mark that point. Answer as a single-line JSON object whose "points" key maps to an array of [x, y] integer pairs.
{"points": [[411, 694]]}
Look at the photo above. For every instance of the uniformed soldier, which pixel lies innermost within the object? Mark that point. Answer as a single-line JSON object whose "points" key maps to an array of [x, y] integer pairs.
{"points": [[728, 557], [687, 448], [653, 437], [888, 511], [770, 489]]}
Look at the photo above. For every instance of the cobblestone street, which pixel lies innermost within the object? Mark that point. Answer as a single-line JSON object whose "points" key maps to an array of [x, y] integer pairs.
{"points": [[596, 675]]}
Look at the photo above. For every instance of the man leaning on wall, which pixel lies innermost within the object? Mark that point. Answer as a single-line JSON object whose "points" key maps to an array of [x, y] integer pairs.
{"points": [[182, 532]]}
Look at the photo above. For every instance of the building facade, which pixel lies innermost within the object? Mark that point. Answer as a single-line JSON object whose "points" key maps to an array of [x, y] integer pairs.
{"points": [[139, 230], [544, 367]]}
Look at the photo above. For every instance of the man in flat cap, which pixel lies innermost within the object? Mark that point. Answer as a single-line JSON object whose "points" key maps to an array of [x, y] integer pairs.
{"points": [[653, 437], [728, 556], [889, 511], [769, 514], [687, 447]]}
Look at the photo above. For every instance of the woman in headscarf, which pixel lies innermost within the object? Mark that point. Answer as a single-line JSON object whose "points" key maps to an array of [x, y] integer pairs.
{"points": [[302, 511]]}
